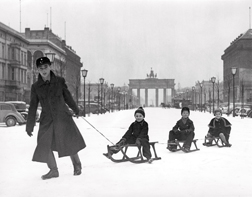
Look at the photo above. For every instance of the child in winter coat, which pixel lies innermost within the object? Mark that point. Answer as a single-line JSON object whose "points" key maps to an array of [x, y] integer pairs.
{"points": [[183, 130], [136, 134], [219, 127]]}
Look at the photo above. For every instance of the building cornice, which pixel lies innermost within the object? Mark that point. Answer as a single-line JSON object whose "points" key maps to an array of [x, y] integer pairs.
{"points": [[46, 42]]}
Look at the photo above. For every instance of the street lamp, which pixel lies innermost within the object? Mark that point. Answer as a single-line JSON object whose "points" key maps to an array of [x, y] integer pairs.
{"points": [[84, 74], [125, 101], [112, 87], [201, 85], [193, 89], [218, 92], [233, 69], [118, 90], [213, 81], [101, 82], [51, 56], [187, 94]]}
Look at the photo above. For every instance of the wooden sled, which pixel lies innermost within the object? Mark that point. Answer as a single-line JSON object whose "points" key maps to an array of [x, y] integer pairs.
{"points": [[215, 141], [139, 158], [179, 147]]}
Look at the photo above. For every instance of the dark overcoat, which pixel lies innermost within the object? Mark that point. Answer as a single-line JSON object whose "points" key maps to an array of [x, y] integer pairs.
{"points": [[137, 130], [57, 130]]}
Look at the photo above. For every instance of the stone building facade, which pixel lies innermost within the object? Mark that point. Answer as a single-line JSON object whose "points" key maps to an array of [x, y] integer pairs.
{"points": [[13, 64], [239, 55], [18, 54]]}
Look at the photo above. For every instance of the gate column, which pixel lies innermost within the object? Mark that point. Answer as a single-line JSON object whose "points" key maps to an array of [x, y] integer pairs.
{"points": [[164, 101], [138, 96], [156, 97], [146, 97]]}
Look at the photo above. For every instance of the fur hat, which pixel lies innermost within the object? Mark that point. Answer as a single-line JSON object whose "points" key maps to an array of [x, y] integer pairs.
{"points": [[141, 111], [185, 109], [42, 60]]}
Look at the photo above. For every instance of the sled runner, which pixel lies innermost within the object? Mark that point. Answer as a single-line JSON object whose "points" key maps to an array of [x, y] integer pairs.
{"points": [[179, 147], [139, 158], [215, 141]]}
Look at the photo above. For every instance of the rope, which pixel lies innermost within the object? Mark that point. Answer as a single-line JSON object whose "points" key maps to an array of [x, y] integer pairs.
{"points": [[97, 130]]}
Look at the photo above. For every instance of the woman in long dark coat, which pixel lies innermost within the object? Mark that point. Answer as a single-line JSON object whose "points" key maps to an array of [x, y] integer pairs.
{"points": [[57, 130]]}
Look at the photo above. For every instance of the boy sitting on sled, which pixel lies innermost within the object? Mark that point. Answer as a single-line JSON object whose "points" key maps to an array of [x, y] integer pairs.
{"points": [[183, 130], [219, 127], [136, 134]]}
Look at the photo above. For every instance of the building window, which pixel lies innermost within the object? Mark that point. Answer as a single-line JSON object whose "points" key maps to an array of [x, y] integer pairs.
{"points": [[11, 73], [3, 69], [25, 77], [21, 57], [9, 51], [25, 59], [12, 53], [3, 50]]}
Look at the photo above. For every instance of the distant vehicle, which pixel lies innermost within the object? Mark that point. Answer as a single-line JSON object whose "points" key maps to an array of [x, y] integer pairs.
{"points": [[21, 107], [95, 108], [249, 113], [9, 115], [242, 112]]}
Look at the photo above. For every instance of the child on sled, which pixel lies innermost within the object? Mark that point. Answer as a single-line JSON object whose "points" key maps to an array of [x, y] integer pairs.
{"points": [[182, 131], [136, 134], [218, 127]]}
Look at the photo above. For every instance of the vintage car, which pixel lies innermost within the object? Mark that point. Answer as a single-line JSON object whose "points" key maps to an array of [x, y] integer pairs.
{"points": [[21, 107], [9, 115]]}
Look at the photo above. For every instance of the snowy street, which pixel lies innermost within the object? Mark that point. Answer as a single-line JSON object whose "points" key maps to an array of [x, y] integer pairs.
{"points": [[212, 171]]}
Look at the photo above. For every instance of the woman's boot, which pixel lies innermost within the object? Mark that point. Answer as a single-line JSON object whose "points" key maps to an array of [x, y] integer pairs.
{"points": [[76, 163]]}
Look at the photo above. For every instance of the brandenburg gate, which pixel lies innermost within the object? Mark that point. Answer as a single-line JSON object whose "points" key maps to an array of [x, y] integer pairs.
{"points": [[152, 82]]}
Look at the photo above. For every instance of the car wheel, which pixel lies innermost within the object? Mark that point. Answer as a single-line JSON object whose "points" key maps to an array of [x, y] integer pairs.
{"points": [[10, 121]]}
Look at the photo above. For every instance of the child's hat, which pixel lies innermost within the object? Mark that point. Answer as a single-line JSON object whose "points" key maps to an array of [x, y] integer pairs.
{"points": [[217, 110], [141, 111], [185, 109], [42, 60]]}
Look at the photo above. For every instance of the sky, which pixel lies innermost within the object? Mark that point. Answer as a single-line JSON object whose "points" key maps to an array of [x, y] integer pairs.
{"points": [[123, 39]]}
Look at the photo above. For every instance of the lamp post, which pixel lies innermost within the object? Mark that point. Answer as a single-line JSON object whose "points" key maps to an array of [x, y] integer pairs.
{"points": [[233, 69], [51, 56], [193, 89], [187, 94], [84, 74], [112, 87], [101, 82], [201, 85], [119, 89], [218, 92], [213, 81]]}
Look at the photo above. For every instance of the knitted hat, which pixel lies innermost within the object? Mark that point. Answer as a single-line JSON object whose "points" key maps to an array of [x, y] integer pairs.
{"points": [[185, 109], [217, 110], [42, 60], [141, 111]]}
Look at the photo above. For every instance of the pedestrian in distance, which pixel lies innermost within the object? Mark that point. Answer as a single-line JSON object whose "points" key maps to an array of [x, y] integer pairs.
{"points": [[182, 131], [219, 127], [57, 129], [137, 133]]}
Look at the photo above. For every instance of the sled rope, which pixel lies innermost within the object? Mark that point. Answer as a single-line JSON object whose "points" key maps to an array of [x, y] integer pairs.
{"points": [[97, 130]]}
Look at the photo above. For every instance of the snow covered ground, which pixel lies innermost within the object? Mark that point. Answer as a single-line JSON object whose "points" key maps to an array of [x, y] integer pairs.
{"points": [[212, 171]]}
